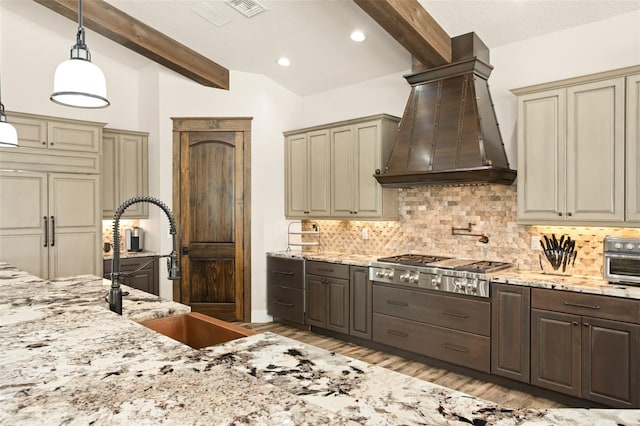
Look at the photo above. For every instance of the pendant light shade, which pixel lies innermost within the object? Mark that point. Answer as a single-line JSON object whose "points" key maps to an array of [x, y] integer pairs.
{"points": [[78, 82], [8, 134]]}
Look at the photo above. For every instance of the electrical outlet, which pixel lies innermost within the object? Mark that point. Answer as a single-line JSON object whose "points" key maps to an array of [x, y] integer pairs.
{"points": [[365, 234], [535, 243]]}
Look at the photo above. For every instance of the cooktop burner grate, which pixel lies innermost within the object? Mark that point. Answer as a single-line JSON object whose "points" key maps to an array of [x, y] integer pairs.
{"points": [[413, 259], [483, 266]]}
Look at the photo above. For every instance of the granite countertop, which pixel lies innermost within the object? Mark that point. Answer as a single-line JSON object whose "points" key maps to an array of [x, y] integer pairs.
{"points": [[581, 284], [125, 254], [66, 359]]}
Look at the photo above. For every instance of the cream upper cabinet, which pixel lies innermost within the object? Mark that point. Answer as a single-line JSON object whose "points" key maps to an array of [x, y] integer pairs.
{"points": [[329, 170], [571, 154], [633, 149], [307, 168], [356, 153], [36, 131], [124, 172], [53, 227]]}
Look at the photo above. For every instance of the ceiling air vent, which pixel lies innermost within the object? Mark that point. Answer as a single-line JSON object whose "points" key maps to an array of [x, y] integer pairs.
{"points": [[248, 8]]}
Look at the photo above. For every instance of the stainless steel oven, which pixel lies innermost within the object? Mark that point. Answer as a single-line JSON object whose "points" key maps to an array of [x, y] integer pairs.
{"points": [[622, 260]]}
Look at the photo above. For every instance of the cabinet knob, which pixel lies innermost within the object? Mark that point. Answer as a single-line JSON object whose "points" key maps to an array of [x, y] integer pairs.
{"points": [[586, 324], [575, 323], [569, 214], [559, 214], [44, 143]]}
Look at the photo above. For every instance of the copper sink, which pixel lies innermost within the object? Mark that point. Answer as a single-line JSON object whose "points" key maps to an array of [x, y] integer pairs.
{"points": [[197, 330]]}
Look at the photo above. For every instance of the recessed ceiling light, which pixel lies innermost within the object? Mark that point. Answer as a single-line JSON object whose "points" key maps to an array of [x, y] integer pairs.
{"points": [[358, 36], [283, 62]]}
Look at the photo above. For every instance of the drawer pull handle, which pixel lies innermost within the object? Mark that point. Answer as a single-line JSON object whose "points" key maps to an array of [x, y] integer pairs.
{"points": [[288, 305], [325, 269], [455, 314], [397, 333], [283, 272], [397, 303], [579, 305], [455, 348]]}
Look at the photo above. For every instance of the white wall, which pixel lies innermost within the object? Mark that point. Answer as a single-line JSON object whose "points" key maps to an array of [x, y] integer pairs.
{"points": [[387, 94]]}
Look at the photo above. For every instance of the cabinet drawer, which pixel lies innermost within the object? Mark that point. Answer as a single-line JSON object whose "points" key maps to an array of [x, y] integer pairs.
{"points": [[327, 269], [471, 316], [456, 347], [607, 307], [285, 272], [286, 303]]}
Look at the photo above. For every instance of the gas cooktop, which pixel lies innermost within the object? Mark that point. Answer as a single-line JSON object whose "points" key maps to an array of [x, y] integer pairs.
{"points": [[469, 265]]}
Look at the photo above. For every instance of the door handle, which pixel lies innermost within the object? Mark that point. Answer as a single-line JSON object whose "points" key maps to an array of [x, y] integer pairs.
{"points": [[53, 231], [184, 250], [46, 231]]}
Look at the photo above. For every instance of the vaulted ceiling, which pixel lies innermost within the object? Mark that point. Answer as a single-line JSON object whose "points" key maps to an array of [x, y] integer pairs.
{"points": [[314, 34]]}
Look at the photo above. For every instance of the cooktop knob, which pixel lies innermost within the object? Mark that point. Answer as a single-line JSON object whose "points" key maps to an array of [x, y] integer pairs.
{"points": [[404, 277], [413, 279], [617, 246], [379, 274], [629, 246], [388, 274]]}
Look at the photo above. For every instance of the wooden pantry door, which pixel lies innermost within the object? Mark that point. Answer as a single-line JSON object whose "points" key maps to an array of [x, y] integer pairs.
{"points": [[211, 199]]}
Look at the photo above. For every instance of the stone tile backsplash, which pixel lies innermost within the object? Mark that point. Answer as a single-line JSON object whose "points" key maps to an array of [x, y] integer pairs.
{"points": [[427, 214]]}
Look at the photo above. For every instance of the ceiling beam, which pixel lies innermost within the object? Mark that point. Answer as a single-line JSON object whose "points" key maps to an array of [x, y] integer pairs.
{"points": [[116, 25], [413, 28]]}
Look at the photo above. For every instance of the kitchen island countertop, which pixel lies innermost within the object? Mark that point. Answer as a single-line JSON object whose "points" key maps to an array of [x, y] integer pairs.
{"points": [[66, 359]]}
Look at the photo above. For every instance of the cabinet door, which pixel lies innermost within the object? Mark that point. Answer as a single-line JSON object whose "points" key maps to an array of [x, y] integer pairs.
{"points": [[342, 172], [633, 149], [360, 301], [316, 295], [132, 173], [67, 136], [32, 132], [366, 159], [338, 305], [110, 171], [595, 151], [510, 331], [23, 220], [555, 351], [610, 362], [296, 176], [541, 156], [74, 213], [319, 170]]}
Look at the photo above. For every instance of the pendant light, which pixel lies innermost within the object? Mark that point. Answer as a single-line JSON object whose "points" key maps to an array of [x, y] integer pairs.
{"points": [[8, 134], [78, 82]]}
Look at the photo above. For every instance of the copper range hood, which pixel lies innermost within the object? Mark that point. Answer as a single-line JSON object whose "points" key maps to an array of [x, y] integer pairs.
{"points": [[449, 133]]}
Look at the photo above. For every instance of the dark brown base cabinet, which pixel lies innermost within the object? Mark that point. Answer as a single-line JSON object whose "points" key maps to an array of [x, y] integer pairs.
{"points": [[454, 329], [145, 279], [327, 295], [360, 302], [576, 353], [285, 289], [510, 331]]}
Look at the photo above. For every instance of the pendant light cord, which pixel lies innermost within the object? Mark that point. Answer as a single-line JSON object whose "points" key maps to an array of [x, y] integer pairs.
{"points": [[80, 41]]}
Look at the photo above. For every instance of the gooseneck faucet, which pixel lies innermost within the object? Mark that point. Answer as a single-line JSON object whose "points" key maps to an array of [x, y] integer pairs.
{"points": [[115, 293]]}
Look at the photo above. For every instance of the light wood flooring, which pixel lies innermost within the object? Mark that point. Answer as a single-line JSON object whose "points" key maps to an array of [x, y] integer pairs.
{"points": [[485, 390]]}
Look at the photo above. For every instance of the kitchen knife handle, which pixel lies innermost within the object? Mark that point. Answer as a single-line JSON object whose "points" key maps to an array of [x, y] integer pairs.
{"points": [[46, 231], [53, 231]]}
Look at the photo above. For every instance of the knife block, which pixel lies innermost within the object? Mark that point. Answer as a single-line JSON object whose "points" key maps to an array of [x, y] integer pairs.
{"points": [[548, 269]]}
